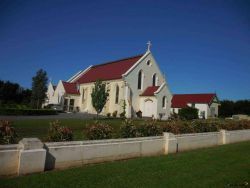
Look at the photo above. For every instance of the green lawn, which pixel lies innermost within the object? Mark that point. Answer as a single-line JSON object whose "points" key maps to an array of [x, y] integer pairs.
{"points": [[39, 128], [213, 167]]}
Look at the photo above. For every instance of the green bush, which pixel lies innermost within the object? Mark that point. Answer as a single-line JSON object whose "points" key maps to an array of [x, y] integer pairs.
{"points": [[122, 115], [128, 129], [188, 113], [235, 125], [99, 131], [7, 133], [108, 114], [26, 112], [171, 127], [58, 133], [200, 126], [151, 129], [114, 114], [139, 114]]}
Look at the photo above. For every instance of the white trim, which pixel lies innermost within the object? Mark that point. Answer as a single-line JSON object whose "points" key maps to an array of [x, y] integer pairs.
{"points": [[163, 75], [77, 75], [135, 65], [160, 88]]}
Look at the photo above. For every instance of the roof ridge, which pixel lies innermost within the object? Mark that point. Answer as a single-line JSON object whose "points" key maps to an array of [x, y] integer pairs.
{"points": [[195, 94], [68, 82], [116, 61]]}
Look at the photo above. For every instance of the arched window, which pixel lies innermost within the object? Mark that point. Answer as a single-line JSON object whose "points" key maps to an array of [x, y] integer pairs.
{"points": [[164, 102], [149, 62], [140, 74], [117, 95], [154, 80], [83, 92]]}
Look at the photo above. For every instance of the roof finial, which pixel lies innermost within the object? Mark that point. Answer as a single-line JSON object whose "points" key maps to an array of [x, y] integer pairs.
{"points": [[149, 45]]}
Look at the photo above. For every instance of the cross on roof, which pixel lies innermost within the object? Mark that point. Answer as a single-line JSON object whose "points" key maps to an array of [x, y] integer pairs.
{"points": [[149, 45]]}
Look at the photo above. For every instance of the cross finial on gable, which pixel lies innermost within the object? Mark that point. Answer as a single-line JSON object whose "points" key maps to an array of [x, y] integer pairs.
{"points": [[149, 45]]}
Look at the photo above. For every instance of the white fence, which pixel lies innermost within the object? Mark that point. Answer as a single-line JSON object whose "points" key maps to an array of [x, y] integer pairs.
{"points": [[31, 155]]}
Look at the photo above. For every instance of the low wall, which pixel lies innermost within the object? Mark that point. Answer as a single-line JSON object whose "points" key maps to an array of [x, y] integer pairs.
{"points": [[68, 154], [31, 155]]}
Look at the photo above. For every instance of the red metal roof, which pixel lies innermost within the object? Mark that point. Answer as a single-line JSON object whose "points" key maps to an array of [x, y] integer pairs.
{"points": [[150, 91], [181, 100], [108, 71], [70, 88]]}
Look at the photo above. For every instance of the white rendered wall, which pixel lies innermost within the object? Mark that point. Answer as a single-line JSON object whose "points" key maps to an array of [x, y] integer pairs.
{"points": [[148, 72], [17, 160], [111, 106]]}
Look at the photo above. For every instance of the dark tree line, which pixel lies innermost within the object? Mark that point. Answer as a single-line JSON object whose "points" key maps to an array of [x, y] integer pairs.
{"points": [[229, 108], [13, 93]]}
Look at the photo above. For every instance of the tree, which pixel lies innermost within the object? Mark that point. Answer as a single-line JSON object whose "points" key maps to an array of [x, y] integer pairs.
{"points": [[226, 109], [188, 113], [229, 108], [99, 96], [12, 94], [39, 88]]}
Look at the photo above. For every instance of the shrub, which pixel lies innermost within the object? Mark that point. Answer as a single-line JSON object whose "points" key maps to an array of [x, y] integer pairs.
{"points": [[7, 133], [174, 116], [108, 114], [170, 127], [122, 115], [16, 111], [139, 114], [128, 129], [114, 114], [57, 133], [188, 113], [151, 129], [205, 126], [235, 125], [99, 131]]}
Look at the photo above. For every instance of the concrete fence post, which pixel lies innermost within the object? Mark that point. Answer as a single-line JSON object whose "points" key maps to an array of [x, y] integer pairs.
{"points": [[32, 156], [170, 143], [224, 137]]}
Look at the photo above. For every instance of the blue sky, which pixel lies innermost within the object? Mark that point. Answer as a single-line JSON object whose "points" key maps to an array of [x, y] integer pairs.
{"points": [[201, 46]]}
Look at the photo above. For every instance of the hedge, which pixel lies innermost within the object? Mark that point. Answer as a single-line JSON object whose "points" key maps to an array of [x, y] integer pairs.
{"points": [[26, 112]]}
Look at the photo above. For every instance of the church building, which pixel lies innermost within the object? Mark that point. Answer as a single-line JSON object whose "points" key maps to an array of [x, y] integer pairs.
{"points": [[136, 81]]}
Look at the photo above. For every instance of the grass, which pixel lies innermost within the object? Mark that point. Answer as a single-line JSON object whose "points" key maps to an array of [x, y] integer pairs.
{"points": [[39, 128], [223, 166]]}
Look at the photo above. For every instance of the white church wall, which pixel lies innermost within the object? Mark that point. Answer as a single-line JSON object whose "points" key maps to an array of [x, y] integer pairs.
{"points": [[154, 106], [111, 106], [49, 94], [165, 111], [216, 108], [148, 71], [59, 92], [201, 108]]}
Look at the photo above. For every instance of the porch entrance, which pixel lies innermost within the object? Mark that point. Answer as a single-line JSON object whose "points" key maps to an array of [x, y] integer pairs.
{"points": [[148, 108]]}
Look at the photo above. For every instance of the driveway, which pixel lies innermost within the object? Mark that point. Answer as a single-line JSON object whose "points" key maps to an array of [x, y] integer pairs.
{"points": [[59, 116]]}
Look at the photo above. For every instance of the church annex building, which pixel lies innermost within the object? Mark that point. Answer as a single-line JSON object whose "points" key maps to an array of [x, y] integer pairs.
{"points": [[137, 81]]}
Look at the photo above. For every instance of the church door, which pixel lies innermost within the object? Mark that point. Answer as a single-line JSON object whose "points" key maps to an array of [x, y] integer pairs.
{"points": [[148, 109]]}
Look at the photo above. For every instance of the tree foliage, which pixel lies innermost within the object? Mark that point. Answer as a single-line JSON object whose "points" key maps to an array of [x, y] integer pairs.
{"points": [[99, 96], [229, 108], [13, 93], [39, 88], [188, 113]]}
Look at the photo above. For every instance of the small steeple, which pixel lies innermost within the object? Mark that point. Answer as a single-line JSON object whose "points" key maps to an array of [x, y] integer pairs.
{"points": [[149, 46]]}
